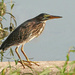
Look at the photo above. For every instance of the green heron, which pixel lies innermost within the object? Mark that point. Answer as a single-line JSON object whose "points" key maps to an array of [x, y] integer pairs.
{"points": [[26, 32]]}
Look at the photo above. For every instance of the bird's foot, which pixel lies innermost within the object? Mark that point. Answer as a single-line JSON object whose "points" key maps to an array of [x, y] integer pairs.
{"points": [[29, 63]]}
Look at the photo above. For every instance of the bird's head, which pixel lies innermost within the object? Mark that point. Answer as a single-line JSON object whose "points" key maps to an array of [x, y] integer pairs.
{"points": [[44, 17]]}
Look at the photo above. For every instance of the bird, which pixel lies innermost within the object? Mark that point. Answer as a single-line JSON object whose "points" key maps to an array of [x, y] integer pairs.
{"points": [[25, 32]]}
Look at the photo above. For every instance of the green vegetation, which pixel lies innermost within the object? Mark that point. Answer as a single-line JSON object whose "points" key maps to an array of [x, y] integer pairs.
{"points": [[4, 32], [12, 25], [68, 68], [16, 71]]}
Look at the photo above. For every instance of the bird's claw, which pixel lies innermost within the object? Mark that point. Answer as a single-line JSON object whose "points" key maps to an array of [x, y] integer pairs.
{"points": [[28, 63]]}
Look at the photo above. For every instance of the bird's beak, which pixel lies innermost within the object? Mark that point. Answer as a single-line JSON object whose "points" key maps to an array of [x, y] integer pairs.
{"points": [[54, 17], [47, 17]]}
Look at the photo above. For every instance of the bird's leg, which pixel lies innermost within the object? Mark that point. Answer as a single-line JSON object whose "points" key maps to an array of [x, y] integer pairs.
{"points": [[27, 57], [16, 50], [22, 61], [24, 53]]}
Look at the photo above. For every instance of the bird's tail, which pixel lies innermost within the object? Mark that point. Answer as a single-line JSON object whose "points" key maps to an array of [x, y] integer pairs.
{"points": [[0, 47]]}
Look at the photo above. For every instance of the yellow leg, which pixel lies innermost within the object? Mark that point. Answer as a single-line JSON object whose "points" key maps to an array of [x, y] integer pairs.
{"points": [[27, 57], [24, 53], [16, 50]]}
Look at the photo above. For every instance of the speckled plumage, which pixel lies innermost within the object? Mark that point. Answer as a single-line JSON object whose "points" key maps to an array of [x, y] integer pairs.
{"points": [[24, 33]]}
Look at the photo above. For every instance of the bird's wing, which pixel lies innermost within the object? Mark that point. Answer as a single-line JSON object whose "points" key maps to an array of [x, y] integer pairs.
{"points": [[20, 34]]}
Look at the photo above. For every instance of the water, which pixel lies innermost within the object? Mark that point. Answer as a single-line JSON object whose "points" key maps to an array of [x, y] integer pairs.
{"points": [[58, 36]]}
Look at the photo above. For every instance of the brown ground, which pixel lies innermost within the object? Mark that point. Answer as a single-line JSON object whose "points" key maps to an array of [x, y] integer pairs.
{"points": [[43, 65]]}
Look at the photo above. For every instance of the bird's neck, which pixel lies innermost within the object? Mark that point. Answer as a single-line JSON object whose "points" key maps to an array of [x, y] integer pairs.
{"points": [[43, 21]]}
